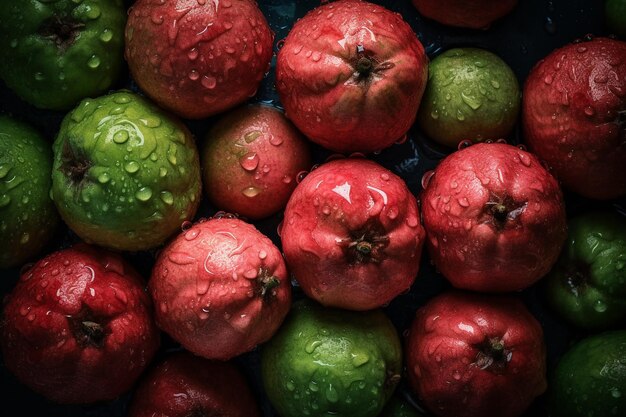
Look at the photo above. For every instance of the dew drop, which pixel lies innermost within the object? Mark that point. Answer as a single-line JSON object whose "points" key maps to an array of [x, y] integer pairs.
{"points": [[121, 136], [94, 62], [276, 140], [428, 175], [106, 35], [167, 197], [144, 194], [131, 167], [249, 161], [251, 192], [208, 82]]}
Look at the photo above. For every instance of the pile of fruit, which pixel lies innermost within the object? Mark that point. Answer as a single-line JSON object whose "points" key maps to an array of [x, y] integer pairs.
{"points": [[235, 225]]}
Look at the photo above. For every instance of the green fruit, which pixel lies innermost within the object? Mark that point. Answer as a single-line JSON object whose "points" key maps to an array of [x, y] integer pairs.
{"points": [[471, 95], [126, 174], [399, 407], [616, 16], [28, 217], [590, 379], [587, 286], [53, 53], [326, 361]]}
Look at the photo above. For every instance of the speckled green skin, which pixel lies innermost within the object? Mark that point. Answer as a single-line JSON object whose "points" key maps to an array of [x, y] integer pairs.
{"points": [[587, 286], [471, 95], [28, 217], [616, 16], [56, 77], [590, 379], [326, 361], [143, 176]]}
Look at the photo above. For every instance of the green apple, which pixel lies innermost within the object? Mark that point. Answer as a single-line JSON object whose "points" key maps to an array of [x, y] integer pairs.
{"points": [[28, 217], [54, 53], [125, 174], [587, 286], [471, 94]]}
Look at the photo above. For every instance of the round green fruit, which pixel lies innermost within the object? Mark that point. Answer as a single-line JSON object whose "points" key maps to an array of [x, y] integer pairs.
{"points": [[616, 16], [590, 379], [587, 286], [125, 174], [326, 361], [28, 217], [53, 53], [471, 94]]}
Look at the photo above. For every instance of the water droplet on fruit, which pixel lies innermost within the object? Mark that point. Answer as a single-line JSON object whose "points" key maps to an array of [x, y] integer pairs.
{"points": [[276, 140], [290, 386], [144, 194], [331, 394], [191, 234], [167, 197], [131, 167], [106, 35], [616, 393], [121, 136], [251, 192], [600, 306], [93, 12], [5, 200], [94, 62], [252, 136], [460, 116], [208, 82], [589, 111], [249, 161], [456, 375], [311, 346], [162, 172], [193, 75], [472, 102], [359, 359], [548, 79], [435, 114], [301, 176], [186, 225], [39, 76], [25, 238], [286, 179], [426, 178], [463, 202]]}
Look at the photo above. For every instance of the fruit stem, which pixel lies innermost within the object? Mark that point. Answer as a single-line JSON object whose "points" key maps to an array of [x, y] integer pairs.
{"points": [[364, 247], [364, 66], [267, 283]]}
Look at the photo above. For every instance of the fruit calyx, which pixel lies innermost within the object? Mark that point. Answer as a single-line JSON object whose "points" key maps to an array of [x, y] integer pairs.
{"points": [[501, 210], [576, 278], [74, 165], [365, 245], [62, 31], [87, 331], [365, 65], [492, 355], [265, 284]]}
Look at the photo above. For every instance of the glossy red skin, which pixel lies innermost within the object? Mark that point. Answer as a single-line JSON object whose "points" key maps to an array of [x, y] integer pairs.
{"points": [[320, 222], [443, 350], [204, 58], [473, 14], [315, 76], [39, 343], [253, 178], [465, 241], [204, 287], [571, 119], [184, 384]]}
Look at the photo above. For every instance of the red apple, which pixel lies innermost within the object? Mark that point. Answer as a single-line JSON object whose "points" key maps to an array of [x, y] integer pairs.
{"points": [[251, 160], [472, 355], [184, 385], [352, 235], [198, 58], [574, 116], [473, 14], [220, 288], [351, 75], [78, 326], [494, 217]]}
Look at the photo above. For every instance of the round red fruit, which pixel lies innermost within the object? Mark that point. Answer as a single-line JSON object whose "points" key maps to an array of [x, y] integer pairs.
{"points": [[472, 355], [473, 14], [352, 235], [220, 288], [198, 58], [251, 160], [574, 116], [351, 75], [184, 385], [78, 326], [495, 218]]}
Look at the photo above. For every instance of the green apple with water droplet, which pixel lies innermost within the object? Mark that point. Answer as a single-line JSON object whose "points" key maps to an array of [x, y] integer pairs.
{"points": [[471, 94], [587, 286], [28, 217], [53, 53], [326, 361], [126, 175]]}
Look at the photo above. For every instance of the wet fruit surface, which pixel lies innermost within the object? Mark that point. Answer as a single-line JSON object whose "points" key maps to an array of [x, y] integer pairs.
{"points": [[495, 218], [476, 355], [351, 235], [220, 288], [574, 116], [28, 217], [204, 56], [471, 95], [251, 160], [125, 174], [351, 75], [55, 53], [591, 376], [78, 326], [184, 385], [473, 14], [331, 362]]}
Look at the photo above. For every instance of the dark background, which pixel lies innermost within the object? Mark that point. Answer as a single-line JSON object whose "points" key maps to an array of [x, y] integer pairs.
{"points": [[529, 33]]}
